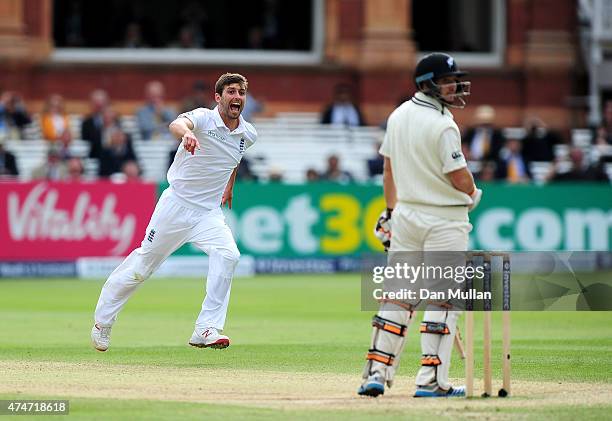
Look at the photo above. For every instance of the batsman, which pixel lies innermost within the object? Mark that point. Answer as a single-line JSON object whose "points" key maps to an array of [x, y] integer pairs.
{"points": [[428, 191]]}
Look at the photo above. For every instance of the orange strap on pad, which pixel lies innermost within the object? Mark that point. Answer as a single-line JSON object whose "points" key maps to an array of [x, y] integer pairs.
{"points": [[430, 360], [389, 326], [380, 356]]}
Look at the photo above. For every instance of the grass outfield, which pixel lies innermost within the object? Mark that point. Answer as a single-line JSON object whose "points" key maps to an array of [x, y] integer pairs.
{"points": [[298, 346]]}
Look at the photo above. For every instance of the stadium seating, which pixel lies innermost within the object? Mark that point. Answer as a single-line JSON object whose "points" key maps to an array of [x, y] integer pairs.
{"points": [[153, 158], [290, 142], [32, 153], [295, 142]]}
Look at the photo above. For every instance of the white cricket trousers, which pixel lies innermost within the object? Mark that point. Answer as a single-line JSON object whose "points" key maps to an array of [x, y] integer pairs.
{"points": [[171, 226], [418, 231]]}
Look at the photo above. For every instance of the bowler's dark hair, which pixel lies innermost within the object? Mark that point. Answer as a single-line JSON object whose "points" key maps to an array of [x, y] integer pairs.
{"points": [[228, 79]]}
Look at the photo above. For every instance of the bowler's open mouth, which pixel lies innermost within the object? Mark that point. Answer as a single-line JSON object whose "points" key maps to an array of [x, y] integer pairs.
{"points": [[235, 106]]}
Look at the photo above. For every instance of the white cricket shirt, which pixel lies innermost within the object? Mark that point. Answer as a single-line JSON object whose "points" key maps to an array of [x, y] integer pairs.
{"points": [[198, 181], [424, 144]]}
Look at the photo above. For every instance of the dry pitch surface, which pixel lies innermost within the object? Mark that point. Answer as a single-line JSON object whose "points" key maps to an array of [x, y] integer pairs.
{"points": [[265, 389]]}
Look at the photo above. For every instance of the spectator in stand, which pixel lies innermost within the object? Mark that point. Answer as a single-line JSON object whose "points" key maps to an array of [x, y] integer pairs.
{"points": [[603, 134], [92, 128], [54, 121], [343, 110], [133, 36], [511, 166], [199, 98], [73, 29], [154, 117], [188, 38], [193, 15], [275, 174], [487, 172], [334, 173], [53, 169], [252, 107], [271, 26], [255, 39], [13, 116], [74, 170], [8, 163], [114, 154], [376, 163], [484, 140], [539, 141], [579, 170], [62, 147], [312, 175], [131, 171], [110, 122], [599, 170], [602, 137]]}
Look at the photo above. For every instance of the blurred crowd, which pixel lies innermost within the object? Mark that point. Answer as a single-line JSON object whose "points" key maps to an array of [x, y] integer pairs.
{"points": [[515, 155], [109, 142], [493, 153]]}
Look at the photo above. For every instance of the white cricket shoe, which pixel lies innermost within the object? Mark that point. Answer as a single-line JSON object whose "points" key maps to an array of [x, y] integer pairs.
{"points": [[208, 338], [100, 337]]}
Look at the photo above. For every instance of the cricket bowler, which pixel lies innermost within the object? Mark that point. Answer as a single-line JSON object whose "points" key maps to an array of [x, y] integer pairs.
{"points": [[201, 180]]}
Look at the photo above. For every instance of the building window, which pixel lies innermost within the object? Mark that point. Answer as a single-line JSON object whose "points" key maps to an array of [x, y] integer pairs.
{"points": [[148, 28], [471, 29]]}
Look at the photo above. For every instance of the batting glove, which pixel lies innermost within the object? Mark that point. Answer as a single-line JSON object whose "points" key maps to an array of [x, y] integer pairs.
{"points": [[382, 231]]}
